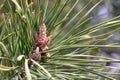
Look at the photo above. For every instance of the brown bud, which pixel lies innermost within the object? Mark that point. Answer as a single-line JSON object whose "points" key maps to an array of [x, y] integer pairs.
{"points": [[36, 55], [44, 57]]}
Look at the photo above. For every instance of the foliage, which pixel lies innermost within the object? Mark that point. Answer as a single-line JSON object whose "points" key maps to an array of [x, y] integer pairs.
{"points": [[73, 40]]}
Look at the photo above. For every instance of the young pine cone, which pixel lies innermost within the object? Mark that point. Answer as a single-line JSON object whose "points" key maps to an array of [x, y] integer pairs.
{"points": [[36, 55], [41, 41]]}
